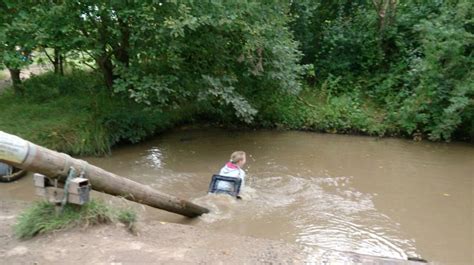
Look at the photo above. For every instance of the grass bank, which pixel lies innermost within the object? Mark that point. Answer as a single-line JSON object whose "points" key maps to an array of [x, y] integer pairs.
{"points": [[76, 115], [345, 114]]}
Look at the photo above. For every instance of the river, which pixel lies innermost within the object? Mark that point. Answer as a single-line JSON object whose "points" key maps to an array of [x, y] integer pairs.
{"points": [[384, 197]]}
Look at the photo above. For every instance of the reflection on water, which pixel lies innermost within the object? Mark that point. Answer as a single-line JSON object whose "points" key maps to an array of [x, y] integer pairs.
{"points": [[389, 197], [155, 157]]}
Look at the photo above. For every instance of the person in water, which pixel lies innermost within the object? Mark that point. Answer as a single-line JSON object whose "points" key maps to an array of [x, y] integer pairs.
{"points": [[233, 168]]}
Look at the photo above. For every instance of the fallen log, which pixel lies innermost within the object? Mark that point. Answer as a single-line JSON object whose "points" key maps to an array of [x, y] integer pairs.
{"points": [[26, 155]]}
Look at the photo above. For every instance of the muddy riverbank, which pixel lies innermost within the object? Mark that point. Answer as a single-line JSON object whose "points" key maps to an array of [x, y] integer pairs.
{"points": [[157, 242]]}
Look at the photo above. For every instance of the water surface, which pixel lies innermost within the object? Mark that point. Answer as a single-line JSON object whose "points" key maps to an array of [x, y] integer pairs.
{"points": [[384, 197]]}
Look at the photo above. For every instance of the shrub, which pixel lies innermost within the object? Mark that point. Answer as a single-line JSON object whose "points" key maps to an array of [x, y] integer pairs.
{"points": [[441, 77]]}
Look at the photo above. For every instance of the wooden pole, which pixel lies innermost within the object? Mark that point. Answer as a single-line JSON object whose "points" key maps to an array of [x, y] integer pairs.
{"points": [[26, 155]]}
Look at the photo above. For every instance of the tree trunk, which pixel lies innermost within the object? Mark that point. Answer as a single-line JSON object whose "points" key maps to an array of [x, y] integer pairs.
{"points": [[122, 47], [386, 11], [16, 80], [57, 61], [61, 64], [26, 155], [107, 68]]}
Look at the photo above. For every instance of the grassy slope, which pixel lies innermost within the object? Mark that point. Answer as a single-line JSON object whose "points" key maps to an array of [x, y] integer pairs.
{"points": [[313, 110], [61, 124], [73, 115], [41, 121]]}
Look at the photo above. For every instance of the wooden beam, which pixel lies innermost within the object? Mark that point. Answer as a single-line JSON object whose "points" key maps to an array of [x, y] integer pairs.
{"points": [[26, 155]]}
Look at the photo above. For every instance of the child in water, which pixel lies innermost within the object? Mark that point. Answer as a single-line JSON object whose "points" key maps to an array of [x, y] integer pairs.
{"points": [[233, 168]]}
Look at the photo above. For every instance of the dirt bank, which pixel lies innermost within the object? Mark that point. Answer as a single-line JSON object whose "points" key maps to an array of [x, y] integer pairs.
{"points": [[156, 243]]}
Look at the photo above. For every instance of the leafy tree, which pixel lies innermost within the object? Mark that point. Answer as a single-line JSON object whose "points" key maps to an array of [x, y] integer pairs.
{"points": [[53, 31], [440, 77], [350, 45], [310, 18], [412, 60], [16, 41], [102, 31], [170, 52], [217, 51]]}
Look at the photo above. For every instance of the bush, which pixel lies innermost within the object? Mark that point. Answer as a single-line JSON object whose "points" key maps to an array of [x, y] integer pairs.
{"points": [[133, 123], [321, 111], [48, 86], [441, 77], [350, 45], [417, 71]]}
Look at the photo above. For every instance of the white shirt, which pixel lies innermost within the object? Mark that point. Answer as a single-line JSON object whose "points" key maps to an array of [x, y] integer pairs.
{"points": [[232, 170]]}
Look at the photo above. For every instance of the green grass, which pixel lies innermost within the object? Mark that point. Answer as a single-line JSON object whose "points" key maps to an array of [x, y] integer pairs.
{"points": [[3, 75], [43, 218], [317, 111], [60, 120], [76, 115], [128, 218], [51, 123]]}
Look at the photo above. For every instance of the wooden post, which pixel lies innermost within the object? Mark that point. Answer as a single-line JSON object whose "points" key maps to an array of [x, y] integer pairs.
{"points": [[26, 155]]}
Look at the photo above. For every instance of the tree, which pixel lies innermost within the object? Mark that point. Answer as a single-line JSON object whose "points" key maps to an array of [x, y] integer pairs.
{"points": [[53, 32], [170, 52], [441, 91], [16, 42], [386, 11]]}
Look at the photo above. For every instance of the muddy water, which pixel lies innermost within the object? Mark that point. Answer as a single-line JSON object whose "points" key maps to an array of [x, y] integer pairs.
{"points": [[383, 197]]}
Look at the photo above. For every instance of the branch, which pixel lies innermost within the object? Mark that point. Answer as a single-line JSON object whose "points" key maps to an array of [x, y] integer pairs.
{"points": [[306, 102], [89, 53], [92, 67], [47, 55], [376, 5], [84, 32], [81, 54]]}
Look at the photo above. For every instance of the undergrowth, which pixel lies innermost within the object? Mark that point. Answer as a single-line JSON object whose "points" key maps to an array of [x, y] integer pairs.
{"points": [[319, 111]]}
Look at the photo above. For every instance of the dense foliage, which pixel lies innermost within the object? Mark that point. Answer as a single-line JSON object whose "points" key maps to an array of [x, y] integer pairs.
{"points": [[414, 61], [167, 53], [379, 67]]}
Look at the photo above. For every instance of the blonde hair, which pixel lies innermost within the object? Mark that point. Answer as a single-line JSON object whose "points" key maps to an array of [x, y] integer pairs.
{"points": [[237, 156]]}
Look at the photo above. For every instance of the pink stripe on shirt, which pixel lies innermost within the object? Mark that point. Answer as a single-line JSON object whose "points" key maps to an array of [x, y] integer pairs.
{"points": [[231, 165]]}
